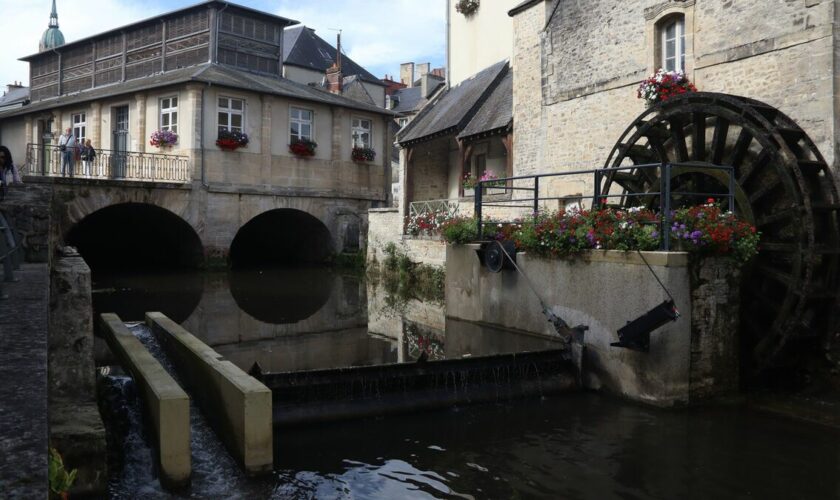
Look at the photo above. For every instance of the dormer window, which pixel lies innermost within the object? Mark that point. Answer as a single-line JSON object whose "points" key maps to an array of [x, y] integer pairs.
{"points": [[672, 33]]}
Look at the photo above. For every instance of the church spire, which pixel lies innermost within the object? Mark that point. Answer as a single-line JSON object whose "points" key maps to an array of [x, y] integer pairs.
{"points": [[54, 17]]}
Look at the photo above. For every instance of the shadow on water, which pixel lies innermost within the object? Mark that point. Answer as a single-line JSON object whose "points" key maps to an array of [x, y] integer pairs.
{"points": [[281, 295], [131, 294]]}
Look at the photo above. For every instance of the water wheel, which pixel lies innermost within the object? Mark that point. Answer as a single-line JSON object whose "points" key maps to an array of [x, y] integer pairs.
{"points": [[782, 184]]}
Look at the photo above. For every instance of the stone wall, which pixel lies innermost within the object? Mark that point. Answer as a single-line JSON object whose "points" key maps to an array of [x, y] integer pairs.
{"points": [[28, 209], [781, 52], [385, 226], [690, 360]]}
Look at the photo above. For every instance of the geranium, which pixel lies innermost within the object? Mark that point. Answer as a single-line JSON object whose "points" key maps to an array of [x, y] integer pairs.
{"points": [[466, 7], [303, 147], [231, 140], [488, 179], [663, 85], [163, 138], [363, 154], [707, 229], [428, 222]]}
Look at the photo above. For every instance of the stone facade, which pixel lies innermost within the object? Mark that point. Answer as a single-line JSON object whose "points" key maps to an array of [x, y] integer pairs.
{"points": [[574, 93], [385, 226]]}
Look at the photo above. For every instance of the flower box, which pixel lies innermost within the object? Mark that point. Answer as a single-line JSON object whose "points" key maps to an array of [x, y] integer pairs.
{"points": [[663, 85], [231, 140], [467, 7], [303, 148], [163, 138], [360, 154]]}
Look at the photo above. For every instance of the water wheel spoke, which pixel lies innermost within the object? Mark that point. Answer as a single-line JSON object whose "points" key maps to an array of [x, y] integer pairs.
{"points": [[698, 138], [765, 190], [812, 167], [742, 145], [719, 140], [758, 164], [780, 216], [777, 275], [678, 139]]}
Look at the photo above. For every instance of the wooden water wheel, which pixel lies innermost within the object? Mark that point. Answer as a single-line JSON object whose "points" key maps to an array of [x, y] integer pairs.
{"points": [[782, 185]]}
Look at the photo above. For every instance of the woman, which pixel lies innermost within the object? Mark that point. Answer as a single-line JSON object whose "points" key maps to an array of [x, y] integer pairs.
{"points": [[88, 155], [8, 170]]}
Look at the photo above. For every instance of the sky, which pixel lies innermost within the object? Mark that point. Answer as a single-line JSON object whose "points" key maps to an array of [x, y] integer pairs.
{"points": [[377, 34]]}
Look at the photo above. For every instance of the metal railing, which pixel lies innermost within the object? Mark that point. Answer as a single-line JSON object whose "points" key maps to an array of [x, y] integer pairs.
{"points": [[658, 175], [416, 208], [50, 161], [10, 252]]}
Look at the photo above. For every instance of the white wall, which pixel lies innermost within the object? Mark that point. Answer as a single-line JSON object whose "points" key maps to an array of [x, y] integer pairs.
{"points": [[479, 40]]}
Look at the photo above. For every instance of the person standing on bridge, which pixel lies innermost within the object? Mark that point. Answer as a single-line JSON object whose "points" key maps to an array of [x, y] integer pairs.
{"points": [[8, 170], [88, 155], [67, 146]]}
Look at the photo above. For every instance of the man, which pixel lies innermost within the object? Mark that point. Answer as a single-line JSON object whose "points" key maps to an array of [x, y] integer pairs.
{"points": [[67, 146]]}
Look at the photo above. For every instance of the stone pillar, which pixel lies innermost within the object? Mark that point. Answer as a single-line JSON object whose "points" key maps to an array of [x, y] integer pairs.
{"points": [[339, 117], [715, 320], [193, 148], [95, 124], [265, 145], [28, 129], [141, 137]]}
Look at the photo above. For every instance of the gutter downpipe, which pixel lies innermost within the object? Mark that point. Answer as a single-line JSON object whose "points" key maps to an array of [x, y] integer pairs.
{"points": [[448, 42]]}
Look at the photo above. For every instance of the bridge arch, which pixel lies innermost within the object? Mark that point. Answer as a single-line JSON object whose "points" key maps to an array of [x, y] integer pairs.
{"points": [[281, 237], [135, 235]]}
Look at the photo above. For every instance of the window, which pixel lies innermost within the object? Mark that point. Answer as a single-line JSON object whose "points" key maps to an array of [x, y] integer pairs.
{"points": [[79, 126], [300, 124], [673, 44], [169, 114], [402, 122], [360, 132], [230, 114]]}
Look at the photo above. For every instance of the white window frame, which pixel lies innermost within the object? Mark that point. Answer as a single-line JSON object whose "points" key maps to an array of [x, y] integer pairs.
{"points": [[357, 129], [80, 126], [229, 112], [300, 121], [678, 57], [402, 122], [169, 111]]}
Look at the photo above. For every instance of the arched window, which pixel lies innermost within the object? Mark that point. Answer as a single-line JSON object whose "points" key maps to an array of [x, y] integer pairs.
{"points": [[672, 42]]}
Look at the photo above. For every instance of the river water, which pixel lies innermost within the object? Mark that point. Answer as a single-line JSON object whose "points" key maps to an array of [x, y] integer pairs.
{"points": [[580, 445]]}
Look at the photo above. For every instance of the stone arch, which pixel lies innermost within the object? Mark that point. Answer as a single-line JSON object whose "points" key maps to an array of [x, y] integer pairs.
{"points": [[282, 236]]}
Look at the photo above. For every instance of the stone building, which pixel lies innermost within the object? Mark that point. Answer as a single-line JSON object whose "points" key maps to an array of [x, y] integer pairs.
{"points": [[204, 72], [574, 93]]}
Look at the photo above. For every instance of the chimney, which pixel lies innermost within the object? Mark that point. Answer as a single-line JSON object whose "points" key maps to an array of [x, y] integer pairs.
{"points": [[422, 69], [334, 77], [407, 74], [15, 85], [428, 83]]}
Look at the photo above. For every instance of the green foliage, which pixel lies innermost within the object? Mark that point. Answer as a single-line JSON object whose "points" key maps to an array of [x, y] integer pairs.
{"points": [[405, 279], [60, 480], [708, 230], [460, 230]]}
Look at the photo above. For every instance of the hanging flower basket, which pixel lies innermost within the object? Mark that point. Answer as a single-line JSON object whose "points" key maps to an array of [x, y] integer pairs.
{"points": [[303, 148], [363, 154], [229, 140], [664, 85], [466, 7], [163, 138]]}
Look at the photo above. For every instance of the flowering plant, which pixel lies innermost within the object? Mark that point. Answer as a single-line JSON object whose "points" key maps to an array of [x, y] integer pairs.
{"points": [[709, 230], [163, 138], [466, 7], [663, 85], [430, 222], [363, 154], [302, 147], [488, 179], [231, 140]]}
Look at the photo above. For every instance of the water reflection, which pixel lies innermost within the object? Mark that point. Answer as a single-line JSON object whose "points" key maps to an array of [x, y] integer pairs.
{"points": [[282, 295], [131, 294]]}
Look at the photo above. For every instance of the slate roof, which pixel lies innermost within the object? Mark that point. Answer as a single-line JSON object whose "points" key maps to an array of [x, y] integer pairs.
{"points": [[496, 112], [302, 47], [455, 108], [206, 73], [409, 99], [14, 96], [522, 6]]}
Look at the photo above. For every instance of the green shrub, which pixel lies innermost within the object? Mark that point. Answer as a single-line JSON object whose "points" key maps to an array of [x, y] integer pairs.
{"points": [[460, 230]]}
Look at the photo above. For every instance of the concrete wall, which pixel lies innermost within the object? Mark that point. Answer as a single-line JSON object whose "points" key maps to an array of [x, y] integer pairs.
{"points": [[13, 136], [479, 40], [604, 290], [574, 93], [168, 405], [237, 405]]}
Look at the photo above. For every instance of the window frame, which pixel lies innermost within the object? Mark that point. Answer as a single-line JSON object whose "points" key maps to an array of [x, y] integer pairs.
{"points": [[81, 125], [301, 121], [230, 112], [168, 111], [353, 129], [676, 21]]}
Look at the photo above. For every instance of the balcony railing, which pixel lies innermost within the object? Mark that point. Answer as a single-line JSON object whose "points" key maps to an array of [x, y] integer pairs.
{"points": [[46, 160], [433, 206]]}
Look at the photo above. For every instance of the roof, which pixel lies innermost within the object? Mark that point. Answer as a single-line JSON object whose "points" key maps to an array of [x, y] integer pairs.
{"points": [[455, 107], [51, 39], [14, 96], [303, 48], [408, 99], [495, 113], [522, 7], [206, 73], [225, 4]]}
